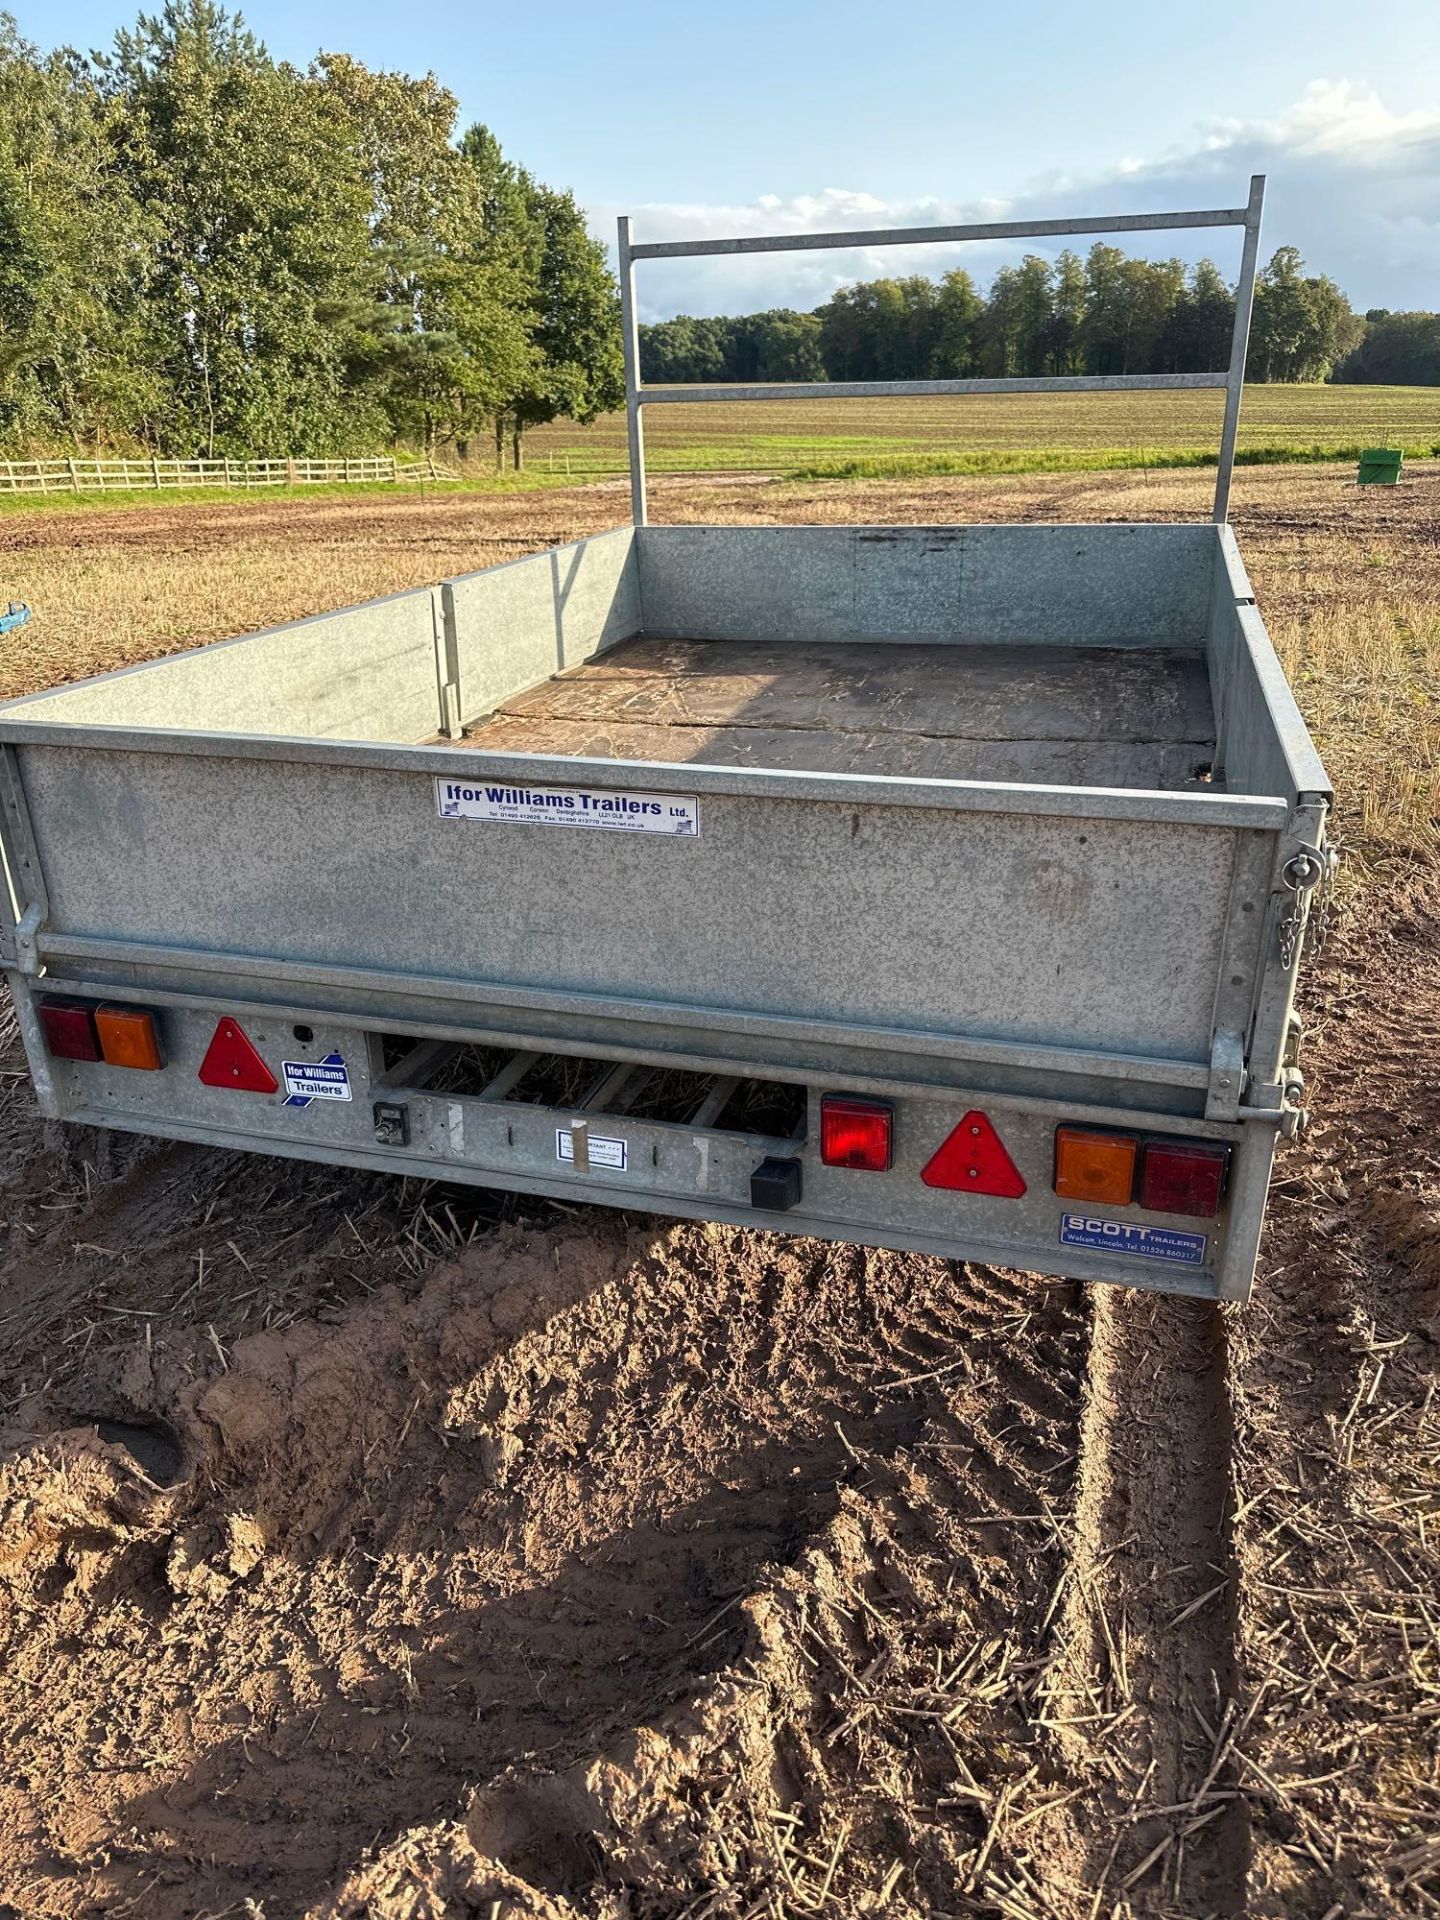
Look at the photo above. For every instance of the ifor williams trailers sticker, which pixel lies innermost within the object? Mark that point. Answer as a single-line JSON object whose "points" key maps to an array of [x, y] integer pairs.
{"points": [[602, 809], [1122, 1236], [308, 1080]]}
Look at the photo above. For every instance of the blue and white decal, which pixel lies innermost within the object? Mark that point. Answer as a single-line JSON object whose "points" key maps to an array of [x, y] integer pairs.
{"points": [[603, 809], [1123, 1236], [308, 1080]]}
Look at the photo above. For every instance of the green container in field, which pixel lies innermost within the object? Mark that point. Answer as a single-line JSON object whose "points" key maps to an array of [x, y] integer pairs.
{"points": [[1379, 467]]}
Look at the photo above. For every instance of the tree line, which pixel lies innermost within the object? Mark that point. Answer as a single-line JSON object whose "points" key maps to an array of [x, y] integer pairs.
{"points": [[1107, 313], [205, 251], [1399, 349]]}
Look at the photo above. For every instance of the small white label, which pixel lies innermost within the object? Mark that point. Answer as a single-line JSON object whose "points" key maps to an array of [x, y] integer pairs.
{"points": [[307, 1080], [605, 809], [603, 1153]]}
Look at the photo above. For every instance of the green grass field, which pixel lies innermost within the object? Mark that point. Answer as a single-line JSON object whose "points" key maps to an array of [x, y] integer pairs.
{"points": [[907, 439], [999, 433]]}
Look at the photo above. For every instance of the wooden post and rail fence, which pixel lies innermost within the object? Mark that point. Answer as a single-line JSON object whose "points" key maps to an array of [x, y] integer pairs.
{"points": [[101, 476]]}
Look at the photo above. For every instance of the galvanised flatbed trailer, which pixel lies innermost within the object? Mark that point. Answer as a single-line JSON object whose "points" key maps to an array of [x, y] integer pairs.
{"points": [[931, 887]]}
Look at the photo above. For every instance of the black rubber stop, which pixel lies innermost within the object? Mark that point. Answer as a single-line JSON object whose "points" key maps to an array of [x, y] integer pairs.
{"points": [[775, 1185]]}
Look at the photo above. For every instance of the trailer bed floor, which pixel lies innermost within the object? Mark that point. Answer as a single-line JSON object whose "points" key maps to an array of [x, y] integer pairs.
{"points": [[1056, 715]]}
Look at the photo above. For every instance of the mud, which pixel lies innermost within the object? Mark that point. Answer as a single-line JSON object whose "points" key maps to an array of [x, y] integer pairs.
{"points": [[441, 1552]]}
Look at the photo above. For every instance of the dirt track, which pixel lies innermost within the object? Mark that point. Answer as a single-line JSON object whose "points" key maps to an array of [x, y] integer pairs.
{"points": [[581, 1565]]}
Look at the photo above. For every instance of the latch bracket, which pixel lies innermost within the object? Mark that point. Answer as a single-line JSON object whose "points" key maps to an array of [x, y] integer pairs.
{"points": [[19, 945], [1227, 1075]]}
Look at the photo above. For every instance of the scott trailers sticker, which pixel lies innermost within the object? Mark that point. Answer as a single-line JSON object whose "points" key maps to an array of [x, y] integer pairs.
{"points": [[1120, 1236], [307, 1080], [604, 808], [603, 1153]]}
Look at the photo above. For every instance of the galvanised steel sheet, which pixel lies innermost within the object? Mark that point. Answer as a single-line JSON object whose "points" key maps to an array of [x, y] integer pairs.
{"points": [[1100, 933], [1103, 586]]}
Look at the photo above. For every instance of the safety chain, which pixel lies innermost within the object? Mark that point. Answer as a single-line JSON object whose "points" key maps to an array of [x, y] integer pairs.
{"points": [[1325, 898], [1311, 870]]}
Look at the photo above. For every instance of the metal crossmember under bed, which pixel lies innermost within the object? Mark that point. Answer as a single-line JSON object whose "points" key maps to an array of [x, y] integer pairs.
{"points": [[639, 396]]}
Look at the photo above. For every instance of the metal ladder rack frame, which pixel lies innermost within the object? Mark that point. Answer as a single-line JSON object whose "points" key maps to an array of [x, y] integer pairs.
{"points": [[638, 396]]}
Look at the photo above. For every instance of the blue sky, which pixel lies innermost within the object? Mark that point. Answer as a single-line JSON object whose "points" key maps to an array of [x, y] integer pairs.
{"points": [[755, 118]]}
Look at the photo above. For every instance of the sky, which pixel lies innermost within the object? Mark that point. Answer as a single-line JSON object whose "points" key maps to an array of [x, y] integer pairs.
{"points": [[761, 117]]}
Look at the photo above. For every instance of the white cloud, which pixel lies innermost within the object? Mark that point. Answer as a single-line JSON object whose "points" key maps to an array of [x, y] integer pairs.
{"points": [[1353, 185], [1333, 116]]}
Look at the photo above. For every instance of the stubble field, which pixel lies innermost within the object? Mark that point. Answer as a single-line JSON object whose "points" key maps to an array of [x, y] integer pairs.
{"points": [[499, 1560], [997, 433]]}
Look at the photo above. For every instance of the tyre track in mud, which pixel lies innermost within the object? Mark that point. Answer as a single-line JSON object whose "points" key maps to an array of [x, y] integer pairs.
{"points": [[876, 1733], [1145, 1683]]}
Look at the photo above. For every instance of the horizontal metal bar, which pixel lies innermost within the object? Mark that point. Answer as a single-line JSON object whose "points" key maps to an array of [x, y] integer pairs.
{"points": [[715, 1101], [1033, 1257], [936, 236], [885, 1086], [1037, 1055], [920, 389], [610, 1083], [1223, 811], [418, 1065], [509, 1077]]}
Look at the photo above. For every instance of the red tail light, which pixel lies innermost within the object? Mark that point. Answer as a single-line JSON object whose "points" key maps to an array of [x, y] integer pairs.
{"points": [[1183, 1177], [231, 1061], [856, 1133], [69, 1029], [974, 1160]]}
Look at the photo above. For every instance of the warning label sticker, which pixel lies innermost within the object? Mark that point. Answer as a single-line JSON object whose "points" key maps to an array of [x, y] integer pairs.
{"points": [[604, 809], [307, 1080], [603, 1153], [1121, 1236]]}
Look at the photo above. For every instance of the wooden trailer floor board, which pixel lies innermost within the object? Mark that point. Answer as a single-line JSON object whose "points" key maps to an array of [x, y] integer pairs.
{"points": [[1073, 716]]}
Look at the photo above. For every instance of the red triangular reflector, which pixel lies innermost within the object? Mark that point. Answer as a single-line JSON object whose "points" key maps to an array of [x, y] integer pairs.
{"points": [[973, 1160], [231, 1061]]}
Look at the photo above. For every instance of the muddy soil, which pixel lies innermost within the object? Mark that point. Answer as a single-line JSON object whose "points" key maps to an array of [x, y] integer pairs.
{"points": [[371, 1549]]}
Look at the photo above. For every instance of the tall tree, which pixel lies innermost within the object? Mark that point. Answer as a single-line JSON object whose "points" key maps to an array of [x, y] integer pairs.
{"points": [[1302, 326], [1127, 305], [571, 298], [437, 331], [1034, 314], [848, 333], [1000, 326], [1196, 335], [244, 171], [958, 309], [74, 258], [1067, 314], [777, 345]]}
